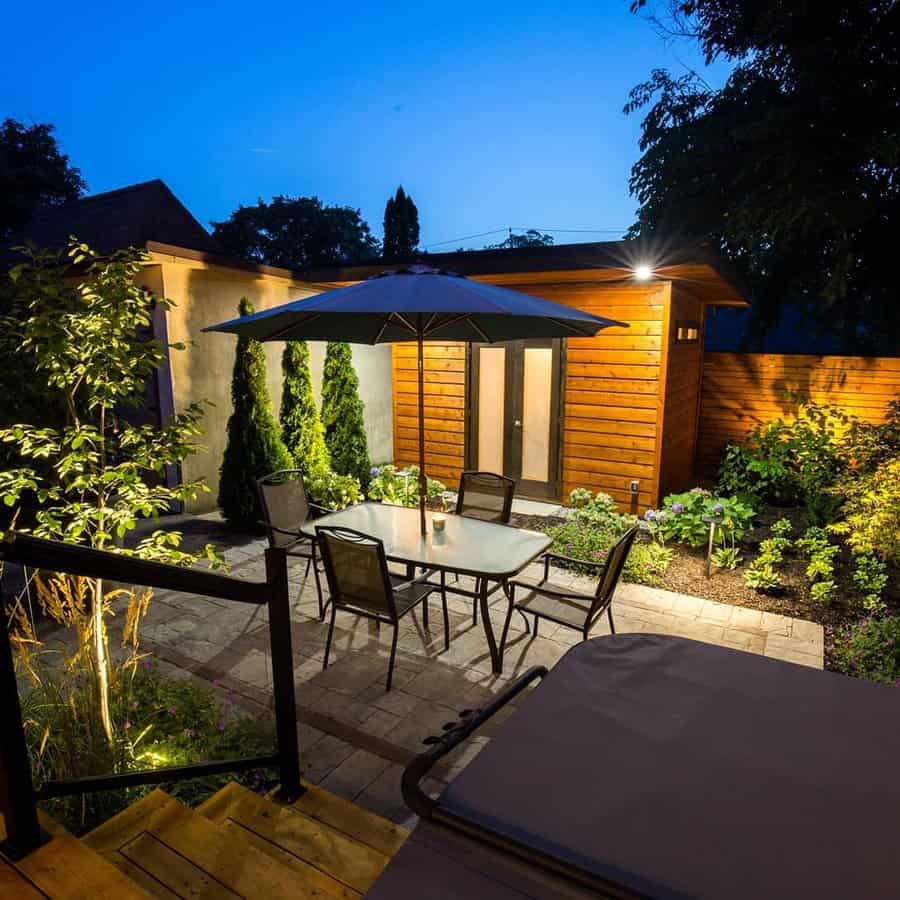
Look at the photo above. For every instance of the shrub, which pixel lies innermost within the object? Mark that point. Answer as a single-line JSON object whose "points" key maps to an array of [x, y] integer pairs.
{"points": [[331, 490], [788, 461], [401, 490], [762, 575], [782, 528], [870, 576], [342, 415], [681, 518], [726, 557], [869, 445], [254, 445], [301, 425], [579, 497], [872, 511], [871, 649]]}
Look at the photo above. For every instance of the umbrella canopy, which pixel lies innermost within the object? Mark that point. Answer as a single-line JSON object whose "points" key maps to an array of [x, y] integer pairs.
{"points": [[417, 303]]}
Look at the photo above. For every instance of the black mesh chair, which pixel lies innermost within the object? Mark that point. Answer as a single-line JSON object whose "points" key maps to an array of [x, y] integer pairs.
{"points": [[286, 507], [485, 496], [565, 606], [360, 583]]}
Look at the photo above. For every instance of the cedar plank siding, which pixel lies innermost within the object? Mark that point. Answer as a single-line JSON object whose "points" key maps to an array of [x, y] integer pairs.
{"points": [[612, 406], [682, 396], [741, 390]]}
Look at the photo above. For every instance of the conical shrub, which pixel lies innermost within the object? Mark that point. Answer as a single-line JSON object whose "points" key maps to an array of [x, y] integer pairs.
{"points": [[301, 426], [254, 445]]}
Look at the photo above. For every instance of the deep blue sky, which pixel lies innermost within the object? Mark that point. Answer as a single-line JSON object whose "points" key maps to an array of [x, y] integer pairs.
{"points": [[490, 114]]}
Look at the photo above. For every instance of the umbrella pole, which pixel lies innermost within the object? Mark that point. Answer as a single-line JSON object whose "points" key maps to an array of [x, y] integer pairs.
{"points": [[423, 481]]}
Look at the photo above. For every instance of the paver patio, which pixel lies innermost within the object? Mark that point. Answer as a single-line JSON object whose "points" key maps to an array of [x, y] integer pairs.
{"points": [[355, 738]]}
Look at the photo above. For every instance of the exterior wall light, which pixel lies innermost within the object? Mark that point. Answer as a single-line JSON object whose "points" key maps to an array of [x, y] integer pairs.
{"points": [[643, 272]]}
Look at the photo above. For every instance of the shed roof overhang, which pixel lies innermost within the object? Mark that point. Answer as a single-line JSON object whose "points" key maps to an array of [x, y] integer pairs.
{"points": [[697, 269]]}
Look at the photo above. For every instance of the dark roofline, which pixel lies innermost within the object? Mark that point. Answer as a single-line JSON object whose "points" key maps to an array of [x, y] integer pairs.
{"points": [[227, 262], [624, 255]]}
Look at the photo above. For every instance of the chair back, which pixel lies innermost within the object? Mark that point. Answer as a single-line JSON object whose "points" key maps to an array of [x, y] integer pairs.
{"points": [[284, 504], [615, 563], [357, 571], [485, 496]]}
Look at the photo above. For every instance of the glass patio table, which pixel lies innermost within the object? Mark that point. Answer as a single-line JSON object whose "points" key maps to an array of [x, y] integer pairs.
{"points": [[485, 550]]}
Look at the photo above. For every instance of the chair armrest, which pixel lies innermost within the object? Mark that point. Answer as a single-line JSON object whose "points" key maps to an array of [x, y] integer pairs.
{"points": [[288, 532], [599, 565], [320, 508]]}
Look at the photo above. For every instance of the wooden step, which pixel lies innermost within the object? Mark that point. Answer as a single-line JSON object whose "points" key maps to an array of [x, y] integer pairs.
{"points": [[305, 844], [14, 885], [359, 823], [181, 853], [65, 868]]}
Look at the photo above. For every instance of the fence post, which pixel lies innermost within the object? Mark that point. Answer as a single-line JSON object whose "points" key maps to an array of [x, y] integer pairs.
{"points": [[283, 673], [17, 799]]}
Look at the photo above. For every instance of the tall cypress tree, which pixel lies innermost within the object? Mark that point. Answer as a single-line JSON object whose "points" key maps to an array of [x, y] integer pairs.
{"points": [[342, 414], [401, 226], [301, 425], [254, 444]]}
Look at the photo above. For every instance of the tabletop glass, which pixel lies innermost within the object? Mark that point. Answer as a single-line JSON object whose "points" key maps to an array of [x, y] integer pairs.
{"points": [[468, 546]]}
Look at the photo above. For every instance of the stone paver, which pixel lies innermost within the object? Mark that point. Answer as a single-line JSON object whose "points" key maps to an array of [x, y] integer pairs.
{"points": [[354, 736]]}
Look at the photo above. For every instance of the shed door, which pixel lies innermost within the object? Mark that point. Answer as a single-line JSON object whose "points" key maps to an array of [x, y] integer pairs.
{"points": [[514, 408]]}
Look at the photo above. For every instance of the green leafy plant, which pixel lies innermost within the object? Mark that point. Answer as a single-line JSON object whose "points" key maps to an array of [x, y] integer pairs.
{"points": [[254, 446], [814, 538], [301, 425], [871, 576], [342, 415], [579, 497], [726, 557], [389, 486], [682, 517], [782, 528], [331, 490], [821, 563], [823, 591], [762, 576], [871, 649], [92, 479]]}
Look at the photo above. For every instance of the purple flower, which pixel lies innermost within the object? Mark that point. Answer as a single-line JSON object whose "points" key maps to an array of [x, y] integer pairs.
{"points": [[220, 726], [374, 471], [891, 642], [650, 515], [718, 509], [173, 711], [127, 725], [677, 508], [598, 554]]}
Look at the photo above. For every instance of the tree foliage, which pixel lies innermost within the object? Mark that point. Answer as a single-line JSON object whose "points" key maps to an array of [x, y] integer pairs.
{"points": [[90, 480], [791, 168], [254, 445], [297, 233], [342, 415], [33, 173], [401, 226], [531, 238], [301, 425]]}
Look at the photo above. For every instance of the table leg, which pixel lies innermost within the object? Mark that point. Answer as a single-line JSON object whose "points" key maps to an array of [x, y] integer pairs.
{"points": [[496, 658]]}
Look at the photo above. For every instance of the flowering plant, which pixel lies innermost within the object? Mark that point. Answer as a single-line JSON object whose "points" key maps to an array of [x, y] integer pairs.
{"points": [[871, 649], [682, 518]]}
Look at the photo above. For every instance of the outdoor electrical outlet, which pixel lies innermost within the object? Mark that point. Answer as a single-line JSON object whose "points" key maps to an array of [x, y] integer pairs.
{"points": [[634, 486]]}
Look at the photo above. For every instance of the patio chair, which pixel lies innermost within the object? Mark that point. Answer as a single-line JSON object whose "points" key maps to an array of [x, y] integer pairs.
{"points": [[564, 605], [485, 496], [360, 583], [286, 507]]}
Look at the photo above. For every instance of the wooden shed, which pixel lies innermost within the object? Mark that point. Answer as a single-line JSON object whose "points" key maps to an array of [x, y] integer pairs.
{"points": [[616, 413]]}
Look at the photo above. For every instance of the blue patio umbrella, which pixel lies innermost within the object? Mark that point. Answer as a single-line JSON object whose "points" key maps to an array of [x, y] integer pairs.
{"points": [[417, 303]]}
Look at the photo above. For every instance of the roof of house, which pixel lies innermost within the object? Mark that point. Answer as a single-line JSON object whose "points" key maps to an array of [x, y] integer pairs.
{"points": [[696, 266], [127, 217]]}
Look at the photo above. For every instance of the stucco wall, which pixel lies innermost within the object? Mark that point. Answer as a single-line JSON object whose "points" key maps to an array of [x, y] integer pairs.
{"points": [[205, 295]]}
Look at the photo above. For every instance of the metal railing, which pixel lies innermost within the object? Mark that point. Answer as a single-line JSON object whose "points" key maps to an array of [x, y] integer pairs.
{"points": [[18, 796]]}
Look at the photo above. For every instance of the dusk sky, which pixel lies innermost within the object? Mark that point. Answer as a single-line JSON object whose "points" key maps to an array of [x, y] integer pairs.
{"points": [[489, 114]]}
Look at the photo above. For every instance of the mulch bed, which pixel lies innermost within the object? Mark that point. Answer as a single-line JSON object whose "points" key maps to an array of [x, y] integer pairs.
{"points": [[687, 575]]}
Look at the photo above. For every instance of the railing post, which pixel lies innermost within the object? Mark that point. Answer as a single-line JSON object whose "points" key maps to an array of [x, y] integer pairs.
{"points": [[283, 673], [17, 800]]}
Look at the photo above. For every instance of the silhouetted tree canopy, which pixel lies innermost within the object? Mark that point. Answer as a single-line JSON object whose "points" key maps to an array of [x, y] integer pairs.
{"points": [[791, 168], [297, 233], [401, 226], [33, 173], [531, 238]]}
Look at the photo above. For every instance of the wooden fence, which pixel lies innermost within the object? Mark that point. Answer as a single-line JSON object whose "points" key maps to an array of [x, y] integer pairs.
{"points": [[741, 390]]}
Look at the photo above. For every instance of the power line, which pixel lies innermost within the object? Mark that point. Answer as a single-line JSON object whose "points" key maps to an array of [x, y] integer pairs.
{"points": [[511, 228]]}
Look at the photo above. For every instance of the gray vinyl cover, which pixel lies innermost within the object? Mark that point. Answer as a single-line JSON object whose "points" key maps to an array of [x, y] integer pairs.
{"points": [[680, 769]]}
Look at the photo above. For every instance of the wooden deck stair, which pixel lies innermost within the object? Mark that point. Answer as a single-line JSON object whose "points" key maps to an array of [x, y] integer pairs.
{"points": [[236, 844]]}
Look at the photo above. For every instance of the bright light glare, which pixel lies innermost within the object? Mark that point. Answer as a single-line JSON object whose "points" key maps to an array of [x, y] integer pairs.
{"points": [[643, 272]]}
